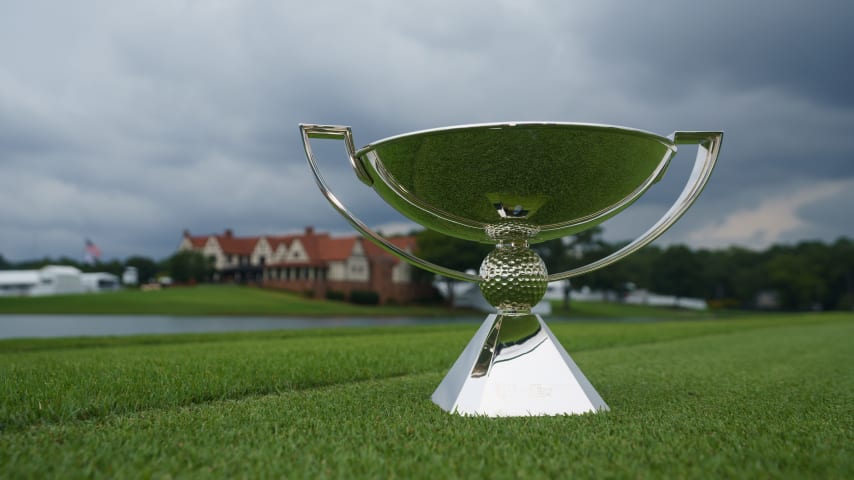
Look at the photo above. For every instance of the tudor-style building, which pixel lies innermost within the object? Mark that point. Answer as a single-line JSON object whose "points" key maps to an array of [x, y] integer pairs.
{"points": [[313, 263]]}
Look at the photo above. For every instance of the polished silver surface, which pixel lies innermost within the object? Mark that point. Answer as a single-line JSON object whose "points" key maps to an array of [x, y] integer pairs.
{"points": [[507, 181], [540, 180], [709, 144], [344, 133], [513, 277], [514, 366], [511, 185]]}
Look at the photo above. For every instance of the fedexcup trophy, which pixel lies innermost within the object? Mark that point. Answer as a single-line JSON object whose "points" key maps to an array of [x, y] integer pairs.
{"points": [[512, 185]]}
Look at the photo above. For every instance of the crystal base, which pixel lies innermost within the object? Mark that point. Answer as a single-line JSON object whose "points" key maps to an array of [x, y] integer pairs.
{"points": [[514, 366]]}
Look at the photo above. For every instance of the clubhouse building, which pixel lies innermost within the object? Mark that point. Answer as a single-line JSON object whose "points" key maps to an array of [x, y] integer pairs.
{"points": [[311, 263]]}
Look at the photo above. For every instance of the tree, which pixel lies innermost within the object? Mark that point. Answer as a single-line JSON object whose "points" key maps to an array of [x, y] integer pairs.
{"points": [[557, 255], [189, 266], [146, 268], [741, 275], [841, 274], [114, 267], [678, 272], [611, 278], [562, 254], [450, 252], [795, 279]]}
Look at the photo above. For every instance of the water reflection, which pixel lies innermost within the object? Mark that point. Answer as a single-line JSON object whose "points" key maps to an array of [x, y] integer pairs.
{"points": [[18, 326]]}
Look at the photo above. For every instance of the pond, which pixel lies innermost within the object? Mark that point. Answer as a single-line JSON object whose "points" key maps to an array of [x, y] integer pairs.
{"points": [[21, 326]]}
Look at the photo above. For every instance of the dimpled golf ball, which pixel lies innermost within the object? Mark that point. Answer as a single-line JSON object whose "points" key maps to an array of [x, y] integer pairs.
{"points": [[514, 278]]}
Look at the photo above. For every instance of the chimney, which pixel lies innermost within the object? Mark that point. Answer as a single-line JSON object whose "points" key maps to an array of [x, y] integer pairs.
{"points": [[228, 233], [309, 230], [186, 233]]}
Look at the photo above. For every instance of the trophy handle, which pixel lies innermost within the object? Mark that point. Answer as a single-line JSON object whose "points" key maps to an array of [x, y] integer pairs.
{"points": [[344, 133], [707, 154]]}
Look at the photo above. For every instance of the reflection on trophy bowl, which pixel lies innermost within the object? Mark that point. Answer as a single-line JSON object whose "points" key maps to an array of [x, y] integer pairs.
{"points": [[510, 185], [536, 181]]}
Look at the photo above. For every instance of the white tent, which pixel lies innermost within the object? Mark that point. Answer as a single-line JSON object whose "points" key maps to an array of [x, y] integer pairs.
{"points": [[99, 282], [49, 280], [18, 282]]}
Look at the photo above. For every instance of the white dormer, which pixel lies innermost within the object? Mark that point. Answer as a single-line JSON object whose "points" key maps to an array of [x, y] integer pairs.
{"points": [[296, 253], [186, 244], [262, 253], [213, 250], [356, 265], [280, 254], [401, 273]]}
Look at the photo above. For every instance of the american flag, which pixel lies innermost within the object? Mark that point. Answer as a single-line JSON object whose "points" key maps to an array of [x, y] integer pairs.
{"points": [[92, 252]]}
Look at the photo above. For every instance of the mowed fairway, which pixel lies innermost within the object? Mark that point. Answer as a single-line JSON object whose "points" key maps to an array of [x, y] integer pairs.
{"points": [[753, 397], [200, 300]]}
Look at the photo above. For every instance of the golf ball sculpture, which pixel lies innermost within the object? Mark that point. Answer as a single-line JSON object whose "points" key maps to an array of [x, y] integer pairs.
{"points": [[512, 185], [514, 277]]}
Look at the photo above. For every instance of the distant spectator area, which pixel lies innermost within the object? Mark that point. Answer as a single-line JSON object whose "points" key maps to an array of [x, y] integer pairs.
{"points": [[54, 280]]}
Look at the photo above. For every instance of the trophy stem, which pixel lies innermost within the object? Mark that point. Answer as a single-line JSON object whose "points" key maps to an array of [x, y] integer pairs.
{"points": [[514, 365]]}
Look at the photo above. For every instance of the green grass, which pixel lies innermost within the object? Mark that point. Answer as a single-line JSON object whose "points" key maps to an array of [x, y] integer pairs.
{"points": [[232, 300], [201, 300], [763, 396], [625, 311]]}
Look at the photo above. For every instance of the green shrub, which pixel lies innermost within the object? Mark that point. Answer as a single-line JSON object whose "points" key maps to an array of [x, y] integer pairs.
{"points": [[335, 295], [364, 297]]}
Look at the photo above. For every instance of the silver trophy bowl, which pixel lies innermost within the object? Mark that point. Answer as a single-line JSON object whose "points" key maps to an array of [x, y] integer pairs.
{"points": [[512, 185]]}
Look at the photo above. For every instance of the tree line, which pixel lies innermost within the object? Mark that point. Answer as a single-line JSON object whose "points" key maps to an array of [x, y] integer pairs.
{"points": [[806, 276], [809, 275], [182, 267]]}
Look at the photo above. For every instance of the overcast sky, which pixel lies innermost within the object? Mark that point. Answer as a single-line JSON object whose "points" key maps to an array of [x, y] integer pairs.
{"points": [[127, 122]]}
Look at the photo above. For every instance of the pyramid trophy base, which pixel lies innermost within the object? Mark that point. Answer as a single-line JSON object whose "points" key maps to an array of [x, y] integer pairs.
{"points": [[514, 366]]}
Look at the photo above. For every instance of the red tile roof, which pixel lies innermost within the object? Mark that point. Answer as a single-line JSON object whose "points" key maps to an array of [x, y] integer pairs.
{"points": [[404, 243], [279, 240], [227, 242], [320, 247], [237, 245], [335, 249], [198, 242]]}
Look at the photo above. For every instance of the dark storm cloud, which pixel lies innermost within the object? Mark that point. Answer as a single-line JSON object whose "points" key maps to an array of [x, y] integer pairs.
{"points": [[802, 47], [128, 123]]}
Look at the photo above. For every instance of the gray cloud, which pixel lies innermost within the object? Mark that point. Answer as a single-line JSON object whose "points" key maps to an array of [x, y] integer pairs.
{"points": [[671, 46], [128, 123]]}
